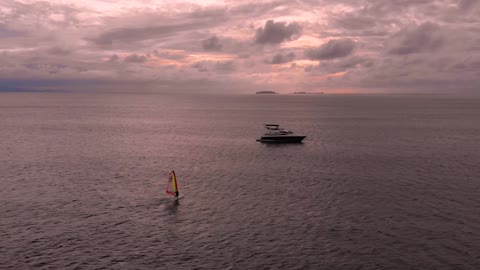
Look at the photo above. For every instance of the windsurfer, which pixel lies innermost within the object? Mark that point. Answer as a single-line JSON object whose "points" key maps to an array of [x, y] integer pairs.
{"points": [[172, 187]]}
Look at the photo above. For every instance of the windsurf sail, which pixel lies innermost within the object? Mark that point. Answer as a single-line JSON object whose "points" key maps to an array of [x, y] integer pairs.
{"points": [[172, 186]]}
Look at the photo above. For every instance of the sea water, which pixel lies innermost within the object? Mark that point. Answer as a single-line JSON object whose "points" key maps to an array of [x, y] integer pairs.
{"points": [[380, 182]]}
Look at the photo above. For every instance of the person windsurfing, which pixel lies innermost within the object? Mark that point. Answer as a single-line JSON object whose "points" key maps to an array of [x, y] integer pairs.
{"points": [[172, 186]]}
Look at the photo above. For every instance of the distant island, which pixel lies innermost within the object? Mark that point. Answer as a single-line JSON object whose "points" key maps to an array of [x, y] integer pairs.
{"points": [[295, 93], [302, 93], [266, 92]]}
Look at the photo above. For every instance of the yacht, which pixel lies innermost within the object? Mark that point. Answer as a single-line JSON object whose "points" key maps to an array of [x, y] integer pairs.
{"points": [[276, 134]]}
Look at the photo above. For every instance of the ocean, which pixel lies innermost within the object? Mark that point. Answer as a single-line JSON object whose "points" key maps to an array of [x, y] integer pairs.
{"points": [[380, 182]]}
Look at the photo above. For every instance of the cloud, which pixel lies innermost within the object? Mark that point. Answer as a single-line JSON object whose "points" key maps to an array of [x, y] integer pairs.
{"points": [[465, 5], [114, 58], [172, 55], [281, 59], [277, 32], [39, 13], [200, 66], [414, 39], [355, 21], [108, 38], [257, 8], [219, 66], [7, 33], [212, 44], [134, 58], [225, 66], [125, 35], [336, 48], [59, 51], [48, 68], [343, 64], [368, 43]]}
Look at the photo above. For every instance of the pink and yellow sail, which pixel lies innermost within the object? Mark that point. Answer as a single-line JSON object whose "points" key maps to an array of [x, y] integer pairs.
{"points": [[172, 186]]}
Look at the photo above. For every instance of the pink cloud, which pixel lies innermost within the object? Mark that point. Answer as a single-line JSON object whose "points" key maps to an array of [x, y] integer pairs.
{"points": [[367, 45]]}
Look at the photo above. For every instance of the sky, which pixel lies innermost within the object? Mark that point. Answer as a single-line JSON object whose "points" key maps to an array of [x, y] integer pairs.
{"points": [[332, 46]]}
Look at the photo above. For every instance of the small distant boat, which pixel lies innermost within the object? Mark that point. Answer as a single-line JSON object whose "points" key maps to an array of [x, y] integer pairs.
{"points": [[276, 134], [172, 186]]}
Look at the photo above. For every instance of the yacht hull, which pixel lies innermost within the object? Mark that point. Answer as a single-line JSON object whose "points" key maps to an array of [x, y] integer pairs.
{"points": [[281, 139]]}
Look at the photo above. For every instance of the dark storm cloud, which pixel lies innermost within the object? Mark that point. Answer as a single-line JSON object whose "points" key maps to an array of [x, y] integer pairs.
{"points": [[281, 59], [134, 58], [212, 44], [277, 32], [423, 38], [336, 48]]}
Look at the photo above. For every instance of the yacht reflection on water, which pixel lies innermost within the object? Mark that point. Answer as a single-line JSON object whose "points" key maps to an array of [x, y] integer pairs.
{"points": [[276, 134]]}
